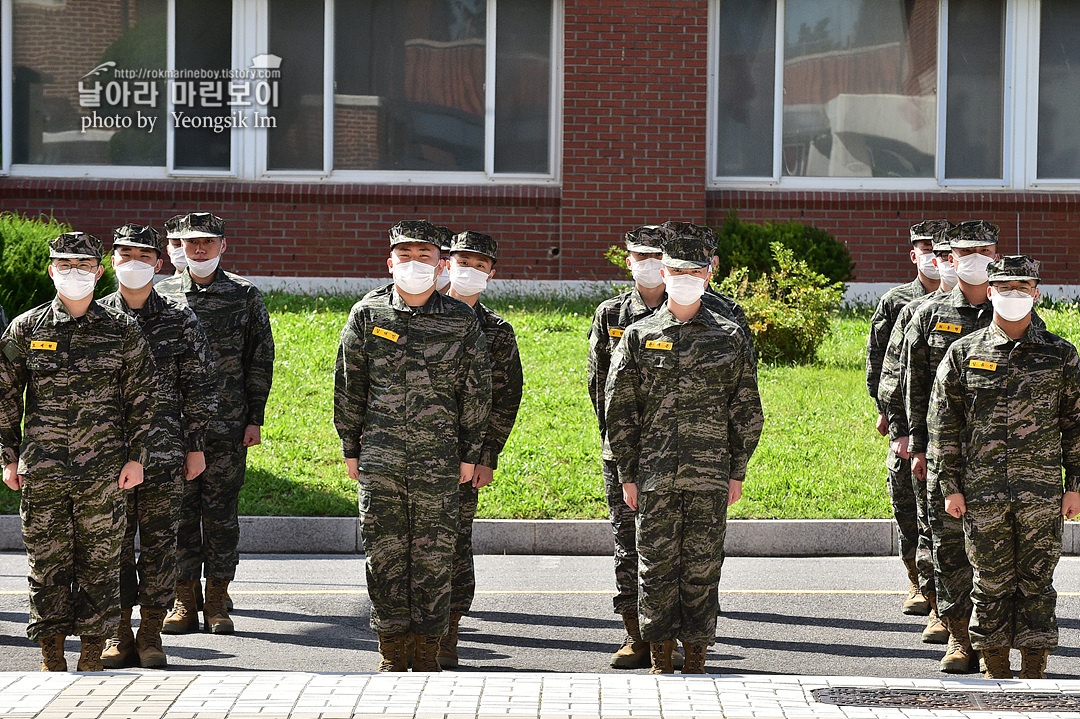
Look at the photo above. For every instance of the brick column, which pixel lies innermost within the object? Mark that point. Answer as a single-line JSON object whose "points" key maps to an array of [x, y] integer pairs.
{"points": [[634, 132]]}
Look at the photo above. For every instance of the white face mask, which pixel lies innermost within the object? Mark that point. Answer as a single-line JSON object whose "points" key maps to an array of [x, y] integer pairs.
{"points": [[468, 281], [947, 273], [178, 258], [73, 283], [1012, 305], [972, 268], [414, 277], [203, 268], [926, 265], [134, 274], [685, 289], [443, 280], [647, 272]]}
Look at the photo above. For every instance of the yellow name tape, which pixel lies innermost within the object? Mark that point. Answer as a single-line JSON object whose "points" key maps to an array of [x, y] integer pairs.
{"points": [[615, 332], [657, 345], [979, 364], [946, 327], [380, 332], [37, 345]]}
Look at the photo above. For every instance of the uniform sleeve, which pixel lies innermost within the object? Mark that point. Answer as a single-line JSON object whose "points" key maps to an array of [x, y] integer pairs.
{"points": [[622, 408], [876, 344], [137, 384], [890, 395], [198, 384], [745, 418], [258, 359], [739, 315], [599, 361], [474, 395], [13, 379], [351, 385], [918, 381], [1070, 422], [945, 425], [506, 389]]}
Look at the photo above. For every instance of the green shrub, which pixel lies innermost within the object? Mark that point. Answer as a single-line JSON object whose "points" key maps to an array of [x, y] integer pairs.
{"points": [[788, 308], [24, 260], [616, 255], [749, 245]]}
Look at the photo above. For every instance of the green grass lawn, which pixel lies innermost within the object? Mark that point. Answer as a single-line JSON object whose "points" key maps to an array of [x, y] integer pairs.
{"points": [[819, 454]]}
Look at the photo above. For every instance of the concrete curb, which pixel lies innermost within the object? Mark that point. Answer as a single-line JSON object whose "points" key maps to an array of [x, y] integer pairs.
{"points": [[745, 537]]}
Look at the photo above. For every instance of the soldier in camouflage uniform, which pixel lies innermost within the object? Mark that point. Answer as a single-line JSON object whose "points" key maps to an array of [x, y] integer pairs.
{"points": [[442, 279], [234, 317], [1004, 419], [890, 400], [472, 260], [77, 443], [682, 447], [412, 394], [186, 399], [176, 243], [901, 490]]}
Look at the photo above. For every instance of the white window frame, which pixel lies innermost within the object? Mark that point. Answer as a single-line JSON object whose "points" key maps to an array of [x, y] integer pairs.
{"points": [[248, 146]]}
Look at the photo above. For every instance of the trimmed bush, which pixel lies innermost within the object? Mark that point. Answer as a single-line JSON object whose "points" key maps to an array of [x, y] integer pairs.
{"points": [[745, 244]]}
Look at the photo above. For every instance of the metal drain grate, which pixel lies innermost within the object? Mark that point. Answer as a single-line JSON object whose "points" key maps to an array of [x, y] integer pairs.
{"points": [[938, 699]]}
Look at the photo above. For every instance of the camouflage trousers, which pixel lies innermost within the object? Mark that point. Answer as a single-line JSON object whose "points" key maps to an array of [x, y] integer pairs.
{"points": [[73, 531], [1014, 548], [153, 508], [952, 570], [625, 532], [410, 531], [904, 504], [462, 575], [924, 553], [680, 543], [209, 529]]}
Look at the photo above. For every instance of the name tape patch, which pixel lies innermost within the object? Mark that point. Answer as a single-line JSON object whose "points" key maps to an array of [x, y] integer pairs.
{"points": [[615, 332], [946, 327], [39, 345], [979, 364], [657, 345], [387, 334]]}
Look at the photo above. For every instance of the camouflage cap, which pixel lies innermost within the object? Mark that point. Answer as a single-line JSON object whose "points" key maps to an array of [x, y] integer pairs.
{"points": [[75, 245], [1013, 267], [199, 224], [941, 240], [132, 235], [973, 233], [172, 227], [447, 238], [415, 231], [689, 229], [686, 249], [928, 229], [644, 239], [469, 241]]}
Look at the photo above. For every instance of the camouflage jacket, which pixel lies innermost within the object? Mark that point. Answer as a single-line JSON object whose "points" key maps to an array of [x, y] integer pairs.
{"points": [[506, 383], [412, 386], [88, 386], [234, 318], [1005, 417], [681, 403], [893, 381], [733, 311], [881, 327], [185, 383]]}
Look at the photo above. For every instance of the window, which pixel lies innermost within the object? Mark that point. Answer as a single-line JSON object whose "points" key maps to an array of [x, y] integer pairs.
{"points": [[1059, 90]]}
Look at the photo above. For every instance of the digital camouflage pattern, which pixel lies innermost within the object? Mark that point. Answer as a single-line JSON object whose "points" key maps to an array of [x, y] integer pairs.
{"points": [[507, 384], [469, 241], [197, 224], [929, 229], [733, 311], [73, 245], [208, 532], [686, 246], [644, 240], [153, 510], [132, 235], [973, 233], [881, 327], [416, 231], [409, 444], [1013, 267]]}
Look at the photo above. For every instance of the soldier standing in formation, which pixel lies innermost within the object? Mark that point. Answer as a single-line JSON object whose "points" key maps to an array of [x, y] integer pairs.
{"points": [[472, 264], [683, 417], [79, 442], [234, 317], [176, 244], [186, 400], [412, 395], [1004, 419]]}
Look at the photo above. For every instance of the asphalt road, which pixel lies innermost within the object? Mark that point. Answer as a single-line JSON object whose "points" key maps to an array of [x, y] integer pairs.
{"points": [[817, 616]]}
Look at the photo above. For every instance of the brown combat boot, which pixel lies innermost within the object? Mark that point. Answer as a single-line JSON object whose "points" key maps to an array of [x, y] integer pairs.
{"points": [[1033, 663], [997, 663], [915, 604], [392, 653], [695, 658], [120, 650], [148, 641], [959, 657], [447, 656], [215, 615], [90, 655], [52, 654], [936, 632], [634, 653], [184, 616], [660, 654], [424, 660]]}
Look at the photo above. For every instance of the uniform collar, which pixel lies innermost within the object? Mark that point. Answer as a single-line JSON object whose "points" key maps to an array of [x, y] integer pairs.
{"points": [[637, 304], [189, 285], [668, 319], [435, 304], [61, 314], [154, 304], [1033, 335], [958, 299]]}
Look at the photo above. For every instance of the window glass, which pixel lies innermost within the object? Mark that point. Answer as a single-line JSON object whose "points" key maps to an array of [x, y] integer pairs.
{"points": [[72, 102], [523, 86], [745, 88], [974, 107], [203, 42], [860, 88], [409, 84], [295, 141], [1059, 90]]}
